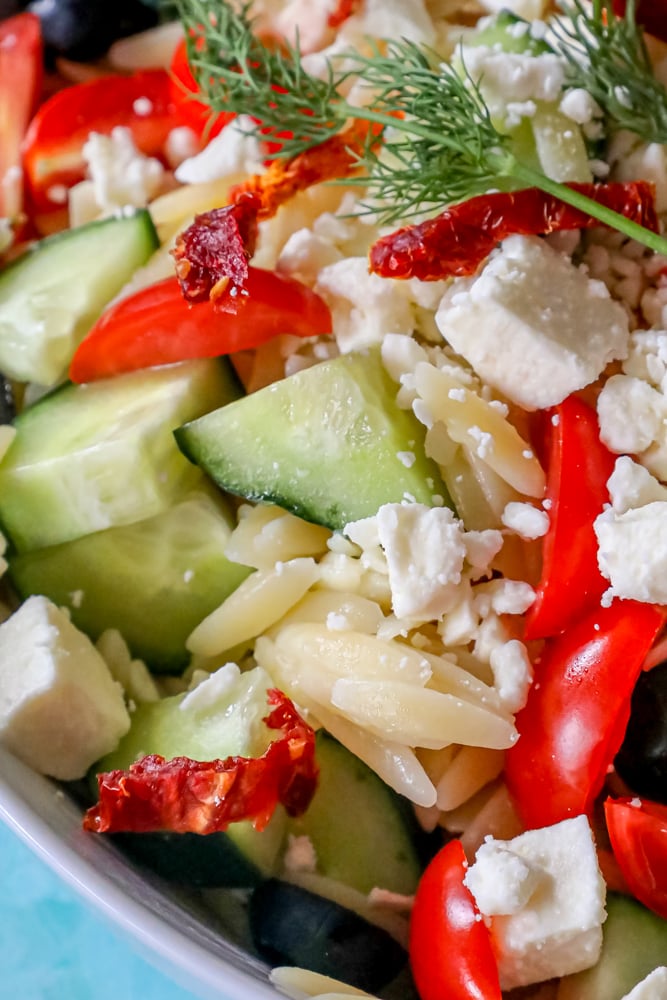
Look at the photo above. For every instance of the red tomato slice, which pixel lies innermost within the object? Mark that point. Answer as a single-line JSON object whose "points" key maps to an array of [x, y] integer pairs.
{"points": [[156, 326], [193, 113], [52, 150], [578, 468], [20, 86], [577, 711], [190, 796], [450, 947], [638, 833]]}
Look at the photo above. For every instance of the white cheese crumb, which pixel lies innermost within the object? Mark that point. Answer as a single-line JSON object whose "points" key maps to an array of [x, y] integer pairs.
{"points": [[653, 987], [235, 150], [528, 521], [121, 175], [215, 687]]}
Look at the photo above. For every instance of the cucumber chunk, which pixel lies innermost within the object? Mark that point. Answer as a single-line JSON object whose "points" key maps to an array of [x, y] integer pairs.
{"points": [[328, 444], [361, 830], [227, 723], [634, 943], [52, 294], [292, 926], [169, 570], [89, 457]]}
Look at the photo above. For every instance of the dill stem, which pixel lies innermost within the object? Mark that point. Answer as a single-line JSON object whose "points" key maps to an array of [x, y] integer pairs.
{"points": [[631, 229]]}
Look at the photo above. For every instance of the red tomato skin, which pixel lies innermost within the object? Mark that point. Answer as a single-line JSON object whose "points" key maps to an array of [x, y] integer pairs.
{"points": [[193, 113], [577, 710], [52, 149], [578, 468], [156, 326], [451, 954], [21, 74], [638, 833]]}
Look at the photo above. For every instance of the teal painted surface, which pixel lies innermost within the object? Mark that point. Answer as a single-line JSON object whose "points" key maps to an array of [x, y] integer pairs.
{"points": [[54, 947]]}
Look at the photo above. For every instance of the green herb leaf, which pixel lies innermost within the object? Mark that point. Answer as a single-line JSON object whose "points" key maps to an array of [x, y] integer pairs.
{"points": [[607, 57]]}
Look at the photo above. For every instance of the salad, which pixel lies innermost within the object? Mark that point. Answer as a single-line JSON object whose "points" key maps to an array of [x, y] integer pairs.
{"points": [[333, 476]]}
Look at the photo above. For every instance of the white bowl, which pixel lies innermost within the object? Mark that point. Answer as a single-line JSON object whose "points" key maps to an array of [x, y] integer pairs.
{"points": [[170, 928]]}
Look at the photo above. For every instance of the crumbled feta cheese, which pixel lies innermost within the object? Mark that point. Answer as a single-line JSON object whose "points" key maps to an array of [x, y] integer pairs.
{"points": [[580, 106], [60, 709], [558, 328], [211, 689], [631, 485], [121, 175], [235, 150], [514, 76], [528, 521], [632, 414], [181, 144], [653, 987], [632, 552], [558, 929], [364, 307], [305, 254], [425, 551], [512, 673]]}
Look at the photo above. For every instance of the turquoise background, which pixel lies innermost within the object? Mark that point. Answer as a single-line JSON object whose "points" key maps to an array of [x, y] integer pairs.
{"points": [[54, 947]]}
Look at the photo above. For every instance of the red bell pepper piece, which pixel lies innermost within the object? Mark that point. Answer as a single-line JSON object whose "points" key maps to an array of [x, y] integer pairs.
{"points": [[189, 796], [156, 326], [193, 112], [450, 947], [458, 240], [638, 833], [578, 469], [651, 14], [20, 86], [577, 711], [52, 150]]}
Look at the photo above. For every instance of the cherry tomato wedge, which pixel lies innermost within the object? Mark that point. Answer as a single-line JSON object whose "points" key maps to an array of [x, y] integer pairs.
{"points": [[52, 149], [578, 469], [156, 326], [190, 796], [20, 85], [638, 833], [450, 947], [577, 711], [192, 112]]}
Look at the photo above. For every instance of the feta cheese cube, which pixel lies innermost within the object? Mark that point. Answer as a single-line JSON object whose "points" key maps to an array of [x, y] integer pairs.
{"points": [[235, 150], [549, 922], [532, 324], [60, 709]]}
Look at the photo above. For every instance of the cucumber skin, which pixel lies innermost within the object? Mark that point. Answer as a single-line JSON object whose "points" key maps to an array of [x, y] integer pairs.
{"points": [[154, 581], [33, 348], [230, 726], [358, 825], [634, 943], [66, 474], [336, 430]]}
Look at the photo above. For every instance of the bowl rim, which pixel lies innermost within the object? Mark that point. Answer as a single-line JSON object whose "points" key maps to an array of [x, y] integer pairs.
{"points": [[23, 791]]}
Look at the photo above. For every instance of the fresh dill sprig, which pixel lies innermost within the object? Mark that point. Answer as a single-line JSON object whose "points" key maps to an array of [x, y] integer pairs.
{"points": [[441, 145], [607, 57]]}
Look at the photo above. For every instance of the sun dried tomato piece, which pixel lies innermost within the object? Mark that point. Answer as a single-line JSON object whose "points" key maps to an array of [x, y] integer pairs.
{"points": [[212, 254], [189, 796], [456, 242], [331, 160]]}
